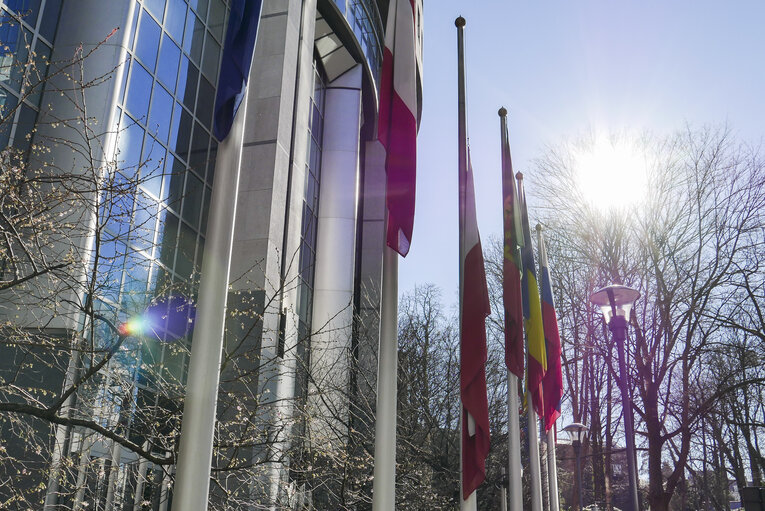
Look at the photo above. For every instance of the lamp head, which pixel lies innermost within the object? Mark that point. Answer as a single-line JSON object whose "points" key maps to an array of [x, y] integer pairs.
{"points": [[577, 432], [615, 300]]}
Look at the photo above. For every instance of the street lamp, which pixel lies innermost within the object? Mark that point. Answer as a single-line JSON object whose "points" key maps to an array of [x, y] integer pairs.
{"points": [[577, 432], [615, 303]]}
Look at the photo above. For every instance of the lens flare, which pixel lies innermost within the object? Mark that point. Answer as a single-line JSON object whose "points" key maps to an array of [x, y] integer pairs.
{"points": [[611, 174]]}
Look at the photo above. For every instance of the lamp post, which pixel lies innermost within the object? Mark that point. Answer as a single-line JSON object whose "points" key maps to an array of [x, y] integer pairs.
{"points": [[577, 432], [615, 303]]}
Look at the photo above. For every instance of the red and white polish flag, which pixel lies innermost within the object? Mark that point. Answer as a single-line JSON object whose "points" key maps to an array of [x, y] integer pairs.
{"points": [[474, 305], [397, 124]]}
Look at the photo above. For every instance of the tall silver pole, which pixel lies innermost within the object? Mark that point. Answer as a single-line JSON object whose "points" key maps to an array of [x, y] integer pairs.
{"points": [[192, 482], [552, 469], [618, 327], [514, 444], [534, 464], [467, 502], [384, 483]]}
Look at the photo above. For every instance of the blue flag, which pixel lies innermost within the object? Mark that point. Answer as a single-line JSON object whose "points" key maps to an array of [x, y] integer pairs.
{"points": [[235, 66]]}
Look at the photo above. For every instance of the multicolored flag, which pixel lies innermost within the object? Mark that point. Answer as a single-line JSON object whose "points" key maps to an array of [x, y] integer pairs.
{"points": [[532, 311], [397, 124], [474, 307], [552, 383], [511, 267], [235, 64]]}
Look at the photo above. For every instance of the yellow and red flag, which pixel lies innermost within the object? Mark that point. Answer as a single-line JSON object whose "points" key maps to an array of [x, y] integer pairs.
{"points": [[532, 311]]}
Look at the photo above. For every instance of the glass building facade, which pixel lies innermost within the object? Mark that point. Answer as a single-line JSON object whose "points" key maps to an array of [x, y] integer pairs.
{"points": [[27, 30], [152, 218], [364, 19]]}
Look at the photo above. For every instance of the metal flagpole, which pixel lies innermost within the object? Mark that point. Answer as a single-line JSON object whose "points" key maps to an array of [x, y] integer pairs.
{"points": [[514, 444], [192, 482], [534, 464], [552, 470], [469, 503], [384, 483]]}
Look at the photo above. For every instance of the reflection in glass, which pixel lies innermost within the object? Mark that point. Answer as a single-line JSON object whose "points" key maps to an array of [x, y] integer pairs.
{"points": [[139, 91], [147, 42], [169, 57], [161, 113], [50, 19], [192, 199], [129, 143], [176, 19]]}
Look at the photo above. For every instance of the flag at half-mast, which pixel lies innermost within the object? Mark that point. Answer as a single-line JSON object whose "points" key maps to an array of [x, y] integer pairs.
{"points": [[397, 123], [511, 262], [238, 48], [474, 304], [532, 311], [552, 383]]}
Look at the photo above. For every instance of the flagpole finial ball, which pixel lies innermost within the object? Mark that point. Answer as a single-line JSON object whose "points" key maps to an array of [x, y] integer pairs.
{"points": [[459, 22], [502, 112], [519, 176], [539, 227]]}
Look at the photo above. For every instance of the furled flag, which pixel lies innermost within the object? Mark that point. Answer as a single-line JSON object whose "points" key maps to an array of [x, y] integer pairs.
{"points": [[511, 264], [552, 383], [397, 125], [235, 65], [532, 310], [474, 304]]}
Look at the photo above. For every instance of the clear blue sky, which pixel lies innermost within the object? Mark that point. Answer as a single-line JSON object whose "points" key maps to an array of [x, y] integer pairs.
{"points": [[563, 68]]}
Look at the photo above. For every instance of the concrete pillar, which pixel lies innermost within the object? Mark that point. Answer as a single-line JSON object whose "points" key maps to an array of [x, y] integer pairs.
{"points": [[335, 255]]}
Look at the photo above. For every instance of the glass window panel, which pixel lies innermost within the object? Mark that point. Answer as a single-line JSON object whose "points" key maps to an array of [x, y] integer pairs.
{"points": [[168, 236], [211, 57], [147, 43], [192, 200], [187, 83], [26, 9], [26, 123], [315, 157], [181, 134], [205, 102], [111, 259], [116, 211], [176, 19], [139, 92], [217, 18], [144, 222], [160, 280], [205, 210], [156, 7], [137, 267], [194, 36], [50, 19], [200, 255], [166, 172], [200, 6], [169, 57], [161, 113], [176, 174], [129, 144], [7, 103], [211, 161], [152, 167], [198, 153], [187, 242], [14, 53], [37, 72]]}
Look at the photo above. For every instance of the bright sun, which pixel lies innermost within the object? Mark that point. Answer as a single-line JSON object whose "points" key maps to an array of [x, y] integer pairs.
{"points": [[611, 174]]}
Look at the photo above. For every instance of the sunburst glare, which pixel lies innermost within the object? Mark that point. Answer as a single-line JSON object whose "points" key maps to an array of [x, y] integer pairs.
{"points": [[611, 174]]}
